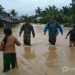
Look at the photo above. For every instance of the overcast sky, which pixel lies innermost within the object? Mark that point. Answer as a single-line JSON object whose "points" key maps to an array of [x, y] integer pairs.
{"points": [[28, 6]]}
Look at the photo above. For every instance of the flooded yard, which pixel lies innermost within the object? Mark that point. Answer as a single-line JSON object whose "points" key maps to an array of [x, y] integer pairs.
{"points": [[42, 58]]}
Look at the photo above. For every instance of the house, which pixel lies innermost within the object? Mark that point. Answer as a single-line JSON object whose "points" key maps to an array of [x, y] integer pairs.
{"points": [[5, 19]]}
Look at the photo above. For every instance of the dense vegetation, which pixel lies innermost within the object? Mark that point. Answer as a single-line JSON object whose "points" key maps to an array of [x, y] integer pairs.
{"points": [[65, 15]]}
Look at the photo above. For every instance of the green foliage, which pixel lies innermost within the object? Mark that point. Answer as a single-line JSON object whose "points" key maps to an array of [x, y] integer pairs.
{"points": [[26, 18], [44, 19], [65, 15], [13, 12], [59, 18], [1, 9], [73, 19], [38, 11]]}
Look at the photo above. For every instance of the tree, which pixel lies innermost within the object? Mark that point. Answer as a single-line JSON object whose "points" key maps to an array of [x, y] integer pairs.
{"points": [[67, 10], [38, 11], [1, 8], [26, 18], [73, 11], [51, 10], [13, 13]]}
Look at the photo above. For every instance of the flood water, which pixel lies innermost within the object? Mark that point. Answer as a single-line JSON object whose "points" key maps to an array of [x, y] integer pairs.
{"points": [[42, 58]]}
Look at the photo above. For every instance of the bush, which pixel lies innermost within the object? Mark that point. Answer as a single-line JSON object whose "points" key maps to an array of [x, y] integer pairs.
{"points": [[44, 20], [34, 21], [73, 18], [59, 18], [67, 25]]}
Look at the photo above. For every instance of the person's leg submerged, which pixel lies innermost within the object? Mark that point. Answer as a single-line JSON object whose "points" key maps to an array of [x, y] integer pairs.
{"points": [[6, 59], [13, 60], [74, 43], [52, 41], [27, 41]]}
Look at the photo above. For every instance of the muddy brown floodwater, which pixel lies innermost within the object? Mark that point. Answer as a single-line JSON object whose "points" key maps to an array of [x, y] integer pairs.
{"points": [[42, 58]]}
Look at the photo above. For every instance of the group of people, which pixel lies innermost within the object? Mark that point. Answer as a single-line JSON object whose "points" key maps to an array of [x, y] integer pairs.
{"points": [[8, 43]]}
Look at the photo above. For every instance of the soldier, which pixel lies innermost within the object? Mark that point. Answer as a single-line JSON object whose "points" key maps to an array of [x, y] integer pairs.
{"points": [[27, 28]]}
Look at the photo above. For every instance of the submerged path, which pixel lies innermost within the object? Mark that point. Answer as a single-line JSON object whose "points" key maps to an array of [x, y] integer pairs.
{"points": [[42, 58]]}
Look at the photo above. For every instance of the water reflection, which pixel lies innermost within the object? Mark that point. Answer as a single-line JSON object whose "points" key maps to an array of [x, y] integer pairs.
{"points": [[72, 54], [29, 53], [50, 64], [52, 56]]}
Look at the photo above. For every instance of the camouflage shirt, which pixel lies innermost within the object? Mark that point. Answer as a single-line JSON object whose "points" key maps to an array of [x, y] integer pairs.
{"points": [[27, 30]]}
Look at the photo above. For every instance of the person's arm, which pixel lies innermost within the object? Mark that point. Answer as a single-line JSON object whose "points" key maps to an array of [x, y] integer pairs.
{"points": [[60, 28], [17, 42], [33, 32], [46, 28], [21, 30], [68, 34]]}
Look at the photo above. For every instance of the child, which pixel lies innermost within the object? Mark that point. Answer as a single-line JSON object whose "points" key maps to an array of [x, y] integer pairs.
{"points": [[8, 48], [27, 28], [72, 36]]}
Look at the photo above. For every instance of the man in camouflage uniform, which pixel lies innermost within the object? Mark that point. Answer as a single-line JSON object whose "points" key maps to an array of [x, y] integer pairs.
{"points": [[27, 28]]}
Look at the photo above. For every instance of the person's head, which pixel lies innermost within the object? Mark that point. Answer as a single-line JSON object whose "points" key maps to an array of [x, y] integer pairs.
{"points": [[27, 21], [53, 18], [7, 31]]}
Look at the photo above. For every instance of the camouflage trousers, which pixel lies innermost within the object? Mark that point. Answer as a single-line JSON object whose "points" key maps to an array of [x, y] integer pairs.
{"points": [[27, 40]]}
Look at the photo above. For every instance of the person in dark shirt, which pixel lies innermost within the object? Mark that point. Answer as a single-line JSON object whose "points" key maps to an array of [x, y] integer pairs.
{"points": [[27, 28], [72, 36]]}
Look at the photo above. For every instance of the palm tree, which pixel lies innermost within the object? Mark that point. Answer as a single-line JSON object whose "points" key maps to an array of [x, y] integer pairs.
{"points": [[47, 11], [73, 6], [38, 11], [1, 8], [65, 10], [73, 11], [51, 10], [13, 13]]}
